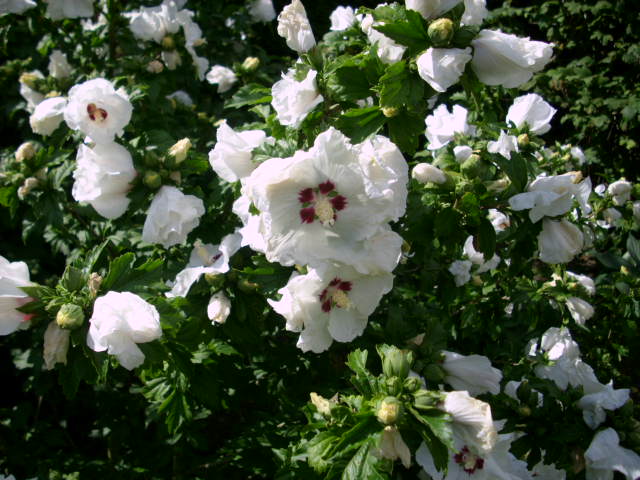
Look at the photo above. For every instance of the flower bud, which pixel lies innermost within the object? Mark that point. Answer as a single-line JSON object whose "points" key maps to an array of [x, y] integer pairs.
{"points": [[434, 373], [427, 173], [322, 404], [397, 363], [155, 66], [26, 151], [426, 400], [26, 188], [168, 43], [251, 64], [476, 280], [389, 411], [152, 179], [216, 280], [30, 80], [524, 411], [94, 283], [412, 384], [70, 316], [390, 112], [176, 176], [473, 167], [498, 185], [180, 149], [441, 32], [523, 140], [393, 385], [247, 286], [219, 308]]}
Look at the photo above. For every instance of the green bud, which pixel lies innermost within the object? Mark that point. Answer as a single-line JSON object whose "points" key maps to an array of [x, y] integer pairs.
{"points": [[30, 80], [390, 112], [523, 140], [434, 373], [441, 32], [247, 286], [70, 316], [151, 159], [397, 363], [152, 179], [393, 385], [524, 411], [389, 411], [412, 384], [426, 400], [214, 279], [473, 166], [168, 43]]}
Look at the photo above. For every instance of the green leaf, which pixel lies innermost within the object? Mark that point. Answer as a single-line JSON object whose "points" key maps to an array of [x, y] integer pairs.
{"points": [[362, 465], [73, 279], [447, 224], [486, 239], [633, 247], [405, 130], [362, 380], [251, 94], [318, 450], [119, 269], [123, 277], [348, 83], [360, 123], [431, 432], [515, 168]]}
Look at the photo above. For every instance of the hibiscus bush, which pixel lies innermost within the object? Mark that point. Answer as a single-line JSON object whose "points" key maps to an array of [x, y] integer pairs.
{"points": [[235, 244]]}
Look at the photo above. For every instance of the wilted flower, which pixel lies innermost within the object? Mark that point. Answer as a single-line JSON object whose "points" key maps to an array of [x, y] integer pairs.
{"points": [[475, 11], [219, 308], [605, 455], [171, 217], [29, 184], [155, 66], [48, 115], [205, 258], [507, 60], [499, 220], [461, 270], [393, 447], [442, 67], [58, 65], [120, 320], [442, 125], [533, 111], [262, 10], [504, 145], [294, 27], [293, 100], [98, 110], [586, 282], [472, 373], [610, 218], [28, 90], [559, 241], [56, 345], [59, 9], [329, 304], [13, 275], [231, 155], [342, 18], [102, 178], [181, 97], [224, 77]]}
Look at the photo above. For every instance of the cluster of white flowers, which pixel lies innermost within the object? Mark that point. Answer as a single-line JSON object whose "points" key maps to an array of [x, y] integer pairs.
{"points": [[160, 22]]}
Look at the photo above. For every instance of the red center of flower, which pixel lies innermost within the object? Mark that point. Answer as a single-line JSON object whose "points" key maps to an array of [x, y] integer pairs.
{"points": [[468, 461], [321, 203], [96, 114], [335, 295]]}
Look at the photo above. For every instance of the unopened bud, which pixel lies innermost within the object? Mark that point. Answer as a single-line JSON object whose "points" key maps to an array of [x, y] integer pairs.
{"points": [[26, 151], [393, 385], [427, 173], [216, 280], [389, 411], [176, 176], [94, 283], [29, 79], [498, 185], [168, 43], [523, 140], [155, 66], [476, 280], [152, 179], [180, 149], [390, 112], [623, 270], [397, 363], [524, 411], [412, 384], [322, 404], [247, 286], [53, 94], [41, 174], [426, 400], [251, 64], [70, 316], [26, 188], [473, 166], [441, 32]]}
